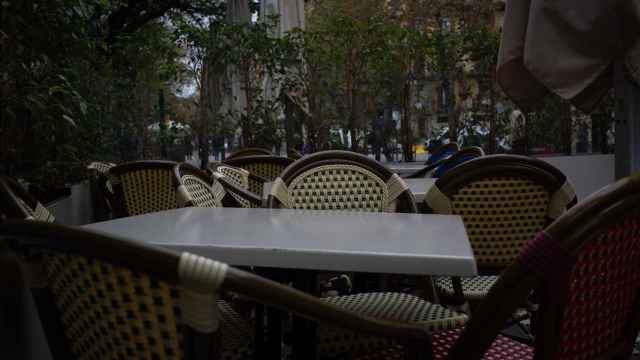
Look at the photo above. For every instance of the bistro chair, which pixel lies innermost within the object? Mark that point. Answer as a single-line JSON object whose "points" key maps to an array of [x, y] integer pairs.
{"points": [[585, 270], [238, 176], [237, 195], [340, 180], [261, 168], [504, 200], [103, 195], [347, 181], [250, 151], [17, 203], [142, 187], [197, 188], [438, 168], [113, 305]]}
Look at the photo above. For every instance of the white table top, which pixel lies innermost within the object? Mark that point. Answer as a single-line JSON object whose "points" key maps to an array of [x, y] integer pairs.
{"points": [[315, 240]]}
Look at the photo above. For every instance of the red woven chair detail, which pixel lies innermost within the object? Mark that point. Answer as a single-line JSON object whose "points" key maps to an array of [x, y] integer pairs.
{"points": [[502, 347], [545, 256], [603, 286]]}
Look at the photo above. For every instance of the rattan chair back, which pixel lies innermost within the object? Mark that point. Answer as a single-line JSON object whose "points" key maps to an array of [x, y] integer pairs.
{"points": [[341, 180], [142, 187], [237, 176], [585, 270], [119, 299], [261, 168], [17, 203], [236, 195], [101, 166], [503, 200], [197, 188], [251, 151]]}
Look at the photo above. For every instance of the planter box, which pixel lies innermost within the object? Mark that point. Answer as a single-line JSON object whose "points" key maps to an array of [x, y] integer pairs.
{"points": [[75, 209]]}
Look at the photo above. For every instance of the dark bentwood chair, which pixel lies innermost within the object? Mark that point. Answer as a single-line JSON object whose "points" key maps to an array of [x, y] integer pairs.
{"points": [[261, 168], [17, 203], [503, 201], [119, 298], [585, 270], [197, 188], [251, 151], [143, 187], [438, 168]]}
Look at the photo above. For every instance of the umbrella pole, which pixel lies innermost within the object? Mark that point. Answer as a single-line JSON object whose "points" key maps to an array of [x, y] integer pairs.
{"points": [[627, 147]]}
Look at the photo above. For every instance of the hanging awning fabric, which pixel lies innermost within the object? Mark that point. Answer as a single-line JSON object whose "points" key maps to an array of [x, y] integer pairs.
{"points": [[566, 47]]}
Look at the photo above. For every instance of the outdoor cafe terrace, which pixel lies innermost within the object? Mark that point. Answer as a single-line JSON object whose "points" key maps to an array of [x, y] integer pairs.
{"points": [[207, 235]]}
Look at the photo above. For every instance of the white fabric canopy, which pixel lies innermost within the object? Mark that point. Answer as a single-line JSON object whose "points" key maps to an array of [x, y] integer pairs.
{"points": [[566, 47]]}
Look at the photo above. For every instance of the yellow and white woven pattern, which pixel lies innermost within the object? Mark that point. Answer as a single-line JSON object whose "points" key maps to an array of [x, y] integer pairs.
{"points": [[148, 190], [200, 193], [40, 213], [101, 167], [269, 171], [236, 176], [385, 306], [338, 187], [474, 288], [500, 215], [110, 312]]}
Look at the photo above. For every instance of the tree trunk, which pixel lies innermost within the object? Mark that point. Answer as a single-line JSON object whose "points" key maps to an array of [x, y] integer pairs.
{"points": [[492, 120], [405, 124]]}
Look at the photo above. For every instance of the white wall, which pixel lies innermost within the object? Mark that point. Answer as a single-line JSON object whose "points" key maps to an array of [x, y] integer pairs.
{"points": [[588, 173]]}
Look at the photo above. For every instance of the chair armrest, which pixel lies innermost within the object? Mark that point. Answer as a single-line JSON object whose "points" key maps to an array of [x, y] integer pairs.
{"points": [[229, 187]]}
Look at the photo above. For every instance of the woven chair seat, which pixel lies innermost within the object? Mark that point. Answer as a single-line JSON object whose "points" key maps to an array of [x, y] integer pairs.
{"points": [[473, 288], [237, 336], [502, 348], [386, 306]]}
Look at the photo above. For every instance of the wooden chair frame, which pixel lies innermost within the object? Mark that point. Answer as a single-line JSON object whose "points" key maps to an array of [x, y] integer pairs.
{"points": [[578, 227], [250, 151], [406, 200]]}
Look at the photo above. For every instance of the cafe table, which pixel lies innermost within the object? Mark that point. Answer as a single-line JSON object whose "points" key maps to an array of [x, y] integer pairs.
{"points": [[308, 241]]}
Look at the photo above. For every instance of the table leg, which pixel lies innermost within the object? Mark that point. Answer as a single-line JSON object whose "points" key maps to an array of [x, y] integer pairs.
{"points": [[304, 331], [427, 289], [273, 347]]}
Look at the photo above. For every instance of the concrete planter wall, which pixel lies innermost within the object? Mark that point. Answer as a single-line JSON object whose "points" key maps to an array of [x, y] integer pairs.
{"points": [[588, 173], [76, 209]]}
